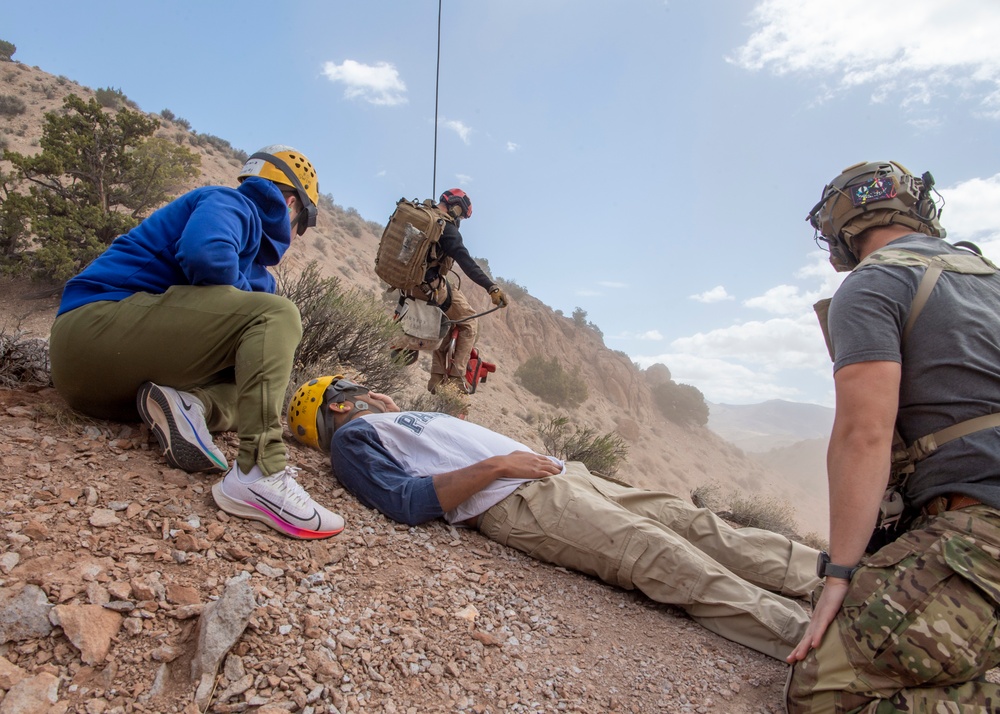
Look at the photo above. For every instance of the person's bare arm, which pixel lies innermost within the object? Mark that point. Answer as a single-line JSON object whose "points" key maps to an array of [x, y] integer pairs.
{"points": [[456, 487], [858, 470]]}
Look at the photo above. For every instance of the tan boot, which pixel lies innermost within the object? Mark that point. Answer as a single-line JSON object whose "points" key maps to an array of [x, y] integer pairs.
{"points": [[434, 382]]}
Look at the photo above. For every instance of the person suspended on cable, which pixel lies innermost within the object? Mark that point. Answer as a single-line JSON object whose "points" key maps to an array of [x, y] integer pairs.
{"points": [[456, 205]]}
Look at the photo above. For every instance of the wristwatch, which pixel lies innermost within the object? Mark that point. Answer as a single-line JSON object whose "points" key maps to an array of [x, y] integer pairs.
{"points": [[824, 567]]}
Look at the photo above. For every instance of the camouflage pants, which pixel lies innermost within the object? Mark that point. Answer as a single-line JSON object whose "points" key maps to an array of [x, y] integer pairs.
{"points": [[919, 627]]}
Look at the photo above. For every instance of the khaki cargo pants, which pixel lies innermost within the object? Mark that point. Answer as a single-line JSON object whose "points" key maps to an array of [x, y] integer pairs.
{"points": [[231, 348], [918, 629], [672, 551]]}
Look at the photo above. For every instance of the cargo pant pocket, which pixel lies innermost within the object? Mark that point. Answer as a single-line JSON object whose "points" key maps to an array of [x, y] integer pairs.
{"points": [[913, 617]]}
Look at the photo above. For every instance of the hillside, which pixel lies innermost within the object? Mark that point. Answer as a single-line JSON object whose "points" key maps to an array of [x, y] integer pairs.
{"points": [[381, 618]]}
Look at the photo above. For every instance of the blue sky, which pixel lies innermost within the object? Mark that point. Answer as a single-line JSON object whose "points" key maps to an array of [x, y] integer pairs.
{"points": [[649, 161]]}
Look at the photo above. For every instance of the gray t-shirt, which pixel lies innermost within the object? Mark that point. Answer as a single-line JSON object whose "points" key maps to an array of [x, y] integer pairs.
{"points": [[950, 363]]}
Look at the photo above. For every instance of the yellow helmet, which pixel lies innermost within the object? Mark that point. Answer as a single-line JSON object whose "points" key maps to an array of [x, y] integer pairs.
{"points": [[309, 417], [289, 167]]}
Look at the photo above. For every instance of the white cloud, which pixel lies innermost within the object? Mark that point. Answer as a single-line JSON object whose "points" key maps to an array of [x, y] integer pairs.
{"points": [[376, 84], [722, 381], [463, 132], [463, 179], [929, 48], [750, 362], [972, 209], [511, 146], [647, 336], [612, 284], [716, 294]]}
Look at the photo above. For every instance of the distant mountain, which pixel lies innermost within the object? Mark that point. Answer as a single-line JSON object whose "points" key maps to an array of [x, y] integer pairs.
{"points": [[769, 425]]}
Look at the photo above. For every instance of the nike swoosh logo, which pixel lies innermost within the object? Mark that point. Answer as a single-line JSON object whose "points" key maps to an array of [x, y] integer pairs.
{"points": [[277, 509], [187, 407]]}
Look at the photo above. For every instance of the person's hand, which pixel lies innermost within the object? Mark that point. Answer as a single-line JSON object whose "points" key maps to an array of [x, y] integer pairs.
{"points": [[527, 464], [830, 602], [497, 296], [385, 400]]}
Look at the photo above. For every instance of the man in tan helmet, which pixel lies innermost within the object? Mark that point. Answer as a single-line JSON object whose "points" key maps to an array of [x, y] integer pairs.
{"points": [[907, 616], [177, 323]]}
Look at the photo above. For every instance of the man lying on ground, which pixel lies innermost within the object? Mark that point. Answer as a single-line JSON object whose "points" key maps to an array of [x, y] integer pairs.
{"points": [[418, 466]]}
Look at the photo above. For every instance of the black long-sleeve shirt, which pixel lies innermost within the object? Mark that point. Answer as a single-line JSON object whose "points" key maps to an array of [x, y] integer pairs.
{"points": [[452, 245]]}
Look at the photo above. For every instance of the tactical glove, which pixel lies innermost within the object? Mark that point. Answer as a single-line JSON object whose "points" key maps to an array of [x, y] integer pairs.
{"points": [[497, 296]]}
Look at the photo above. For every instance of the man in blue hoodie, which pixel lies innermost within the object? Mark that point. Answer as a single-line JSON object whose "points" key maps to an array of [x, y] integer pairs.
{"points": [[177, 323]]}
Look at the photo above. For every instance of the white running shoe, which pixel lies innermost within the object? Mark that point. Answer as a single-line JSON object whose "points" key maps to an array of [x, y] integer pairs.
{"points": [[178, 421], [277, 500]]}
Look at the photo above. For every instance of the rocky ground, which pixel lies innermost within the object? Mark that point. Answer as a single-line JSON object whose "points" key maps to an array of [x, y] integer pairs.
{"points": [[125, 553]]}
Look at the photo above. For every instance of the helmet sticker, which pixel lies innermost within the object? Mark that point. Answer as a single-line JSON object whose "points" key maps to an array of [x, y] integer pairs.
{"points": [[252, 167], [880, 188]]}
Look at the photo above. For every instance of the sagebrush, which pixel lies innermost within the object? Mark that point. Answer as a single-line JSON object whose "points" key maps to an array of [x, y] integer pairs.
{"points": [[341, 329], [547, 379], [602, 454]]}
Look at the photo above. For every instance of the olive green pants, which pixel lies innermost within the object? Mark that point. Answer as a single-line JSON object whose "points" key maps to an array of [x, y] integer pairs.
{"points": [[919, 627], [231, 348], [664, 546]]}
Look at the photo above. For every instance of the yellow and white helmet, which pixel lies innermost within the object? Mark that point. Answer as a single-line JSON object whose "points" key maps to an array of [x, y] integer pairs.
{"points": [[288, 167]]}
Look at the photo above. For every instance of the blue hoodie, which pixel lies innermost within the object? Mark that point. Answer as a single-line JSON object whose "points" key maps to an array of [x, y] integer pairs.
{"points": [[209, 236]]}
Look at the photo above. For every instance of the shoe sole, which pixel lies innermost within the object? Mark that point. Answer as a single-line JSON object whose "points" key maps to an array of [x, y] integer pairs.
{"points": [[154, 408], [246, 510]]}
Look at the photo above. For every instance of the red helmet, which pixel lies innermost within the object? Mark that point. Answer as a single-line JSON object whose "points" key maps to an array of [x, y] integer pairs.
{"points": [[458, 202]]}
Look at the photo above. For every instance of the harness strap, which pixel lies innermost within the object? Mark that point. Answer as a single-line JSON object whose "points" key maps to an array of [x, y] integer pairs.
{"points": [[926, 445], [927, 283]]}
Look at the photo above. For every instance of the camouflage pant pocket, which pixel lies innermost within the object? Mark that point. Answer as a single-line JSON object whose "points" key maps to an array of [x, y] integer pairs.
{"points": [[916, 616]]}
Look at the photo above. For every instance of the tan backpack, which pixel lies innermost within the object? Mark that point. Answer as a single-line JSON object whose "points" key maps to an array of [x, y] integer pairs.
{"points": [[409, 244]]}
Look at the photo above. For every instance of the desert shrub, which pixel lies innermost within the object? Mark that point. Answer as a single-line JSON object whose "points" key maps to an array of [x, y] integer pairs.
{"points": [[446, 400], [547, 379], [601, 454], [681, 403], [7, 50], [341, 329], [755, 510], [24, 360], [512, 289], [751, 510], [580, 320], [815, 540], [111, 98], [354, 227], [707, 495], [181, 121], [168, 115], [11, 105]]}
